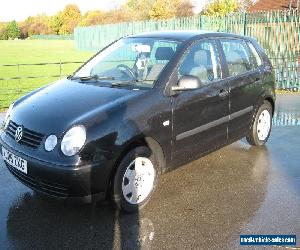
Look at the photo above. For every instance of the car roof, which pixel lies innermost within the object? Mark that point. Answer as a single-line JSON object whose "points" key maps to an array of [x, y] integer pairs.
{"points": [[182, 35]]}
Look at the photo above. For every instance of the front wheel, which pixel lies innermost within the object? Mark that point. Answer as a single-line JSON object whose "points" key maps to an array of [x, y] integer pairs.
{"points": [[261, 126], [135, 180]]}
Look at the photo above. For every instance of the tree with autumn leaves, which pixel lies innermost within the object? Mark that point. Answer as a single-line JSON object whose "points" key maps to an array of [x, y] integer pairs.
{"points": [[63, 22], [220, 7]]}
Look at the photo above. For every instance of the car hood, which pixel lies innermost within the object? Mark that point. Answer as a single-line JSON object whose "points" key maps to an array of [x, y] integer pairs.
{"points": [[65, 103]]}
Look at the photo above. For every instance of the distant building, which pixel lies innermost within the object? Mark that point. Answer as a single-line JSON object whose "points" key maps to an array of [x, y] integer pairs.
{"points": [[265, 5]]}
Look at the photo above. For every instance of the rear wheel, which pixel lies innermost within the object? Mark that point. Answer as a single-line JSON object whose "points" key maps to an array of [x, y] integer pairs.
{"points": [[135, 180], [261, 126]]}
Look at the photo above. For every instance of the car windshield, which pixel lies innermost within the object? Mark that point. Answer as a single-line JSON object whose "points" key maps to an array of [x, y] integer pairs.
{"points": [[129, 61]]}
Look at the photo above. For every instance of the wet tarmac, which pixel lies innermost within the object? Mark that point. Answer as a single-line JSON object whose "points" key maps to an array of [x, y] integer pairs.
{"points": [[206, 204]]}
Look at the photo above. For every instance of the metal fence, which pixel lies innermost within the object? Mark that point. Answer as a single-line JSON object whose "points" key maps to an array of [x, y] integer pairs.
{"points": [[287, 73], [277, 31], [19, 76], [19, 79]]}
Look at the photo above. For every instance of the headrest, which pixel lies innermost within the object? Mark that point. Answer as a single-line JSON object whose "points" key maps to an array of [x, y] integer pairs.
{"points": [[164, 53], [201, 57], [234, 57]]}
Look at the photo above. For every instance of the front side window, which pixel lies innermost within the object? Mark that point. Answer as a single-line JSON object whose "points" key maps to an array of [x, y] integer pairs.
{"points": [[238, 56], [135, 60], [201, 61]]}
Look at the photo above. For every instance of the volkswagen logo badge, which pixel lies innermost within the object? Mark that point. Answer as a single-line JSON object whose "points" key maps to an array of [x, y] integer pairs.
{"points": [[19, 133]]}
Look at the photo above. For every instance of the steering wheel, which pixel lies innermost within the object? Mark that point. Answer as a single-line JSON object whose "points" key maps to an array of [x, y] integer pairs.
{"points": [[128, 70]]}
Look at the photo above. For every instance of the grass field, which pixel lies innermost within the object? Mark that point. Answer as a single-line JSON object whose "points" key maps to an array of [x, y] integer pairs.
{"points": [[34, 51]]}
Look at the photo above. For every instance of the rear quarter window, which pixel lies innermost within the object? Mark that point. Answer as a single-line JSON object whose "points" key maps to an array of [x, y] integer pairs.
{"points": [[255, 58]]}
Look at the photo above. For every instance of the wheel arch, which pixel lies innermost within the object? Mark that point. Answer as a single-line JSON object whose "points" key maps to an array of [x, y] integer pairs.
{"points": [[265, 96], [147, 141], [272, 102]]}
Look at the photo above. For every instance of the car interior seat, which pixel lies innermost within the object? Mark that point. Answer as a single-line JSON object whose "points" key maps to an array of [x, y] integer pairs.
{"points": [[201, 63], [236, 64], [161, 54]]}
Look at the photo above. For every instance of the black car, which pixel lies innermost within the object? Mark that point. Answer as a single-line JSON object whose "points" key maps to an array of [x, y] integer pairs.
{"points": [[142, 106]]}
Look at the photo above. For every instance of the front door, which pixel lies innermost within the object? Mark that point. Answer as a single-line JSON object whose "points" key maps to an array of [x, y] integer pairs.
{"points": [[200, 116]]}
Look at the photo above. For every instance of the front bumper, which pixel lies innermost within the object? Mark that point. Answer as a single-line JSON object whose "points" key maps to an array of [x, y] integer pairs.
{"points": [[86, 183]]}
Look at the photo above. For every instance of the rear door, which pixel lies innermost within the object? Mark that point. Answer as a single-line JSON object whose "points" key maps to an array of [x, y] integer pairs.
{"points": [[200, 116], [244, 78]]}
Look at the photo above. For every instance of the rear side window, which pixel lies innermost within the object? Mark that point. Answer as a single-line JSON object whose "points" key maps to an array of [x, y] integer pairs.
{"points": [[238, 56]]}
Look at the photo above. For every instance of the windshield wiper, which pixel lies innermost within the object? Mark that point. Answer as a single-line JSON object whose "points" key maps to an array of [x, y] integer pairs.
{"points": [[124, 83], [94, 77], [129, 83]]}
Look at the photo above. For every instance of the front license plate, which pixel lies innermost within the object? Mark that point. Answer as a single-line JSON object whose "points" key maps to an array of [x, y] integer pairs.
{"points": [[14, 161]]}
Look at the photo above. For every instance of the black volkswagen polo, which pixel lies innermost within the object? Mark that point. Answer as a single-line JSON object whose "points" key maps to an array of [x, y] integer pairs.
{"points": [[143, 105]]}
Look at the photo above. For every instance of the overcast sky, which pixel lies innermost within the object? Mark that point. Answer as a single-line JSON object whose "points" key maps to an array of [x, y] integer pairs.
{"points": [[19, 10]]}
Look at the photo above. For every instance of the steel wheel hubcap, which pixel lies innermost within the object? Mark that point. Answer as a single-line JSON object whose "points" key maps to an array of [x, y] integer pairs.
{"points": [[138, 180], [263, 125]]}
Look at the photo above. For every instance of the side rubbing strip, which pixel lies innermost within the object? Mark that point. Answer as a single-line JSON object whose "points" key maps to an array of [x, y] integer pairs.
{"points": [[213, 123], [240, 112], [202, 128]]}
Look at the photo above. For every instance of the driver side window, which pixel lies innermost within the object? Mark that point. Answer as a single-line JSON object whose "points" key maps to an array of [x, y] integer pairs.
{"points": [[202, 61]]}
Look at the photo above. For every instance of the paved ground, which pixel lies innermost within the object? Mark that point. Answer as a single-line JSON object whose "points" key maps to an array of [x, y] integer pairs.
{"points": [[206, 204]]}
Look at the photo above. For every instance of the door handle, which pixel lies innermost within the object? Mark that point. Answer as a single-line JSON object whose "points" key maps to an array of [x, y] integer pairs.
{"points": [[223, 93]]}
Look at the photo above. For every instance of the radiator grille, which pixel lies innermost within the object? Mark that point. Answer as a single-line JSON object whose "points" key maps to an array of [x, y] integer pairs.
{"points": [[30, 138]]}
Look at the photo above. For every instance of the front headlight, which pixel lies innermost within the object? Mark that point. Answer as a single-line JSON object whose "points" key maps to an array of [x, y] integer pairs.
{"points": [[7, 115], [73, 140]]}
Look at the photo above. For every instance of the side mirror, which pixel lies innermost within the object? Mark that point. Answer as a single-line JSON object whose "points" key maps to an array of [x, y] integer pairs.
{"points": [[187, 83]]}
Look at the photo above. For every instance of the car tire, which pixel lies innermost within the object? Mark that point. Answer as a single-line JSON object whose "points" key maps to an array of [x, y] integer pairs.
{"points": [[261, 125], [135, 180]]}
